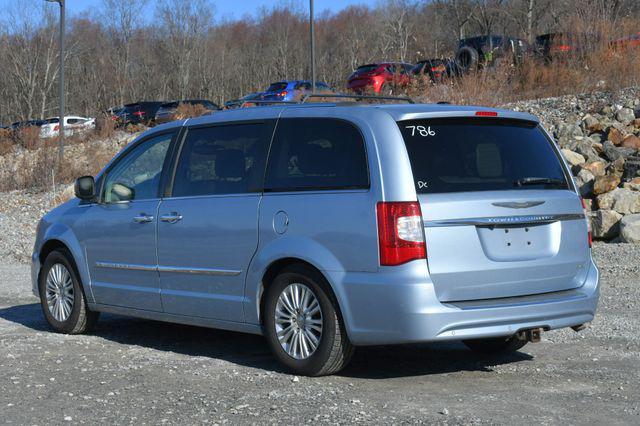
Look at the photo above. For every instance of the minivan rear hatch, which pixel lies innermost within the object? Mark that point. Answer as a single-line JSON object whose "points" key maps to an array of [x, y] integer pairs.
{"points": [[501, 217]]}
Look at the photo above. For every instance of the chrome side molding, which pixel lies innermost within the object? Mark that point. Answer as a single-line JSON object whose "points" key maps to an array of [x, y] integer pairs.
{"points": [[129, 266], [203, 271], [160, 268], [504, 220]]}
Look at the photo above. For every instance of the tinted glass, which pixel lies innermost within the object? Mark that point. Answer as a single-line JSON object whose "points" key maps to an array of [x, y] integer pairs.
{"points": [[277, 87], [225, 159], [137, 175], [309, 154], [367, 68], [456, 155]]}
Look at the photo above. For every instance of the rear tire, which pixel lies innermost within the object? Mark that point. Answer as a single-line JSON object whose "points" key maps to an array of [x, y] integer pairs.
{"points": [[496, 346], [467, 59], [318, 324], [62, 297]]}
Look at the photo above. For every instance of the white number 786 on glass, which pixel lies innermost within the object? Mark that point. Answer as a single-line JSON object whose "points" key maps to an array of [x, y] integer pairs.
{"points": [[422, 130]]}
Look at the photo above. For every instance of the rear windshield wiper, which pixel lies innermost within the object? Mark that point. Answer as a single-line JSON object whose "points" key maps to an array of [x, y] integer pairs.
{"points": [[539, 181]]}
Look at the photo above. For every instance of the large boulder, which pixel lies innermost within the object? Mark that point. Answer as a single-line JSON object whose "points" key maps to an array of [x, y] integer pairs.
{"points": [[622, 200], [584, 181], [615, 136], [625, 116], [573, 158], [592, 124], [630, 229], [568, 130], [605, 224], [598, 168], [632, 142], [605, 183]]}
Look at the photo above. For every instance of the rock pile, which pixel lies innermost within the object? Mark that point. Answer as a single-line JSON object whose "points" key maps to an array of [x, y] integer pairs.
{"points": [[600, 139]]}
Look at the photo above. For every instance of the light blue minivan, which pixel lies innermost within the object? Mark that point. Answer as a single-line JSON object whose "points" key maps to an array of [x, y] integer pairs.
{"points": [[327, 226]]}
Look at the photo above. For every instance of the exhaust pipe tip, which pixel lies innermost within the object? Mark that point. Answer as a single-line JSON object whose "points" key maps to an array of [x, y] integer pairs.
{"points": [[533, 335]]}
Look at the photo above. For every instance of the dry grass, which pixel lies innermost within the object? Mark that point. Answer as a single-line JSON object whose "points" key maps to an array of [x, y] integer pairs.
{"points": [[38, 168], [603, 66], [185, 111]]}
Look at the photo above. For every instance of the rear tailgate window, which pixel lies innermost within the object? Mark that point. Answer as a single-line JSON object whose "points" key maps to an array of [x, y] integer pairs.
{"points": [[480, 154]]}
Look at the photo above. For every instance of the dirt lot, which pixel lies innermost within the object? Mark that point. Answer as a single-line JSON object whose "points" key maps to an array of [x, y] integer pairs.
{"points": [[145, 372]]}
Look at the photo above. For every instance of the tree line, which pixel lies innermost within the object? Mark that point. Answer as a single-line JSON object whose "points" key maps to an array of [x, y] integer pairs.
{"points": [[115, 56]]}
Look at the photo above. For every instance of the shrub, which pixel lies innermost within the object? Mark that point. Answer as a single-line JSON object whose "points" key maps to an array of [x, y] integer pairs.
{"points": [[185, 111]]}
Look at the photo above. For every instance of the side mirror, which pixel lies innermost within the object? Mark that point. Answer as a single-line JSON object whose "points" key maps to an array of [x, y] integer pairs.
{"points": [[85, 188]]}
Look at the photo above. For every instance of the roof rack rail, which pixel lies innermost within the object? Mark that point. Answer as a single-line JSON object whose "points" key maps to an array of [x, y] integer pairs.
{"points": [[265, 102], [360, 97]]}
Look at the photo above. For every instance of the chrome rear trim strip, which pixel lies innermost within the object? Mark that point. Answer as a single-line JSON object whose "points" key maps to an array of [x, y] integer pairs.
{"points": [[158, 268], [504, 220]]}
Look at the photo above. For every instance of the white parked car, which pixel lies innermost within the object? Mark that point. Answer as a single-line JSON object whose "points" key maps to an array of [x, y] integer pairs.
{"points": [[72, 124]]}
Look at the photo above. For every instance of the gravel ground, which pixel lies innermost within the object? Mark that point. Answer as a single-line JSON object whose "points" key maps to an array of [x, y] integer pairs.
{"points": [[146, 372]]}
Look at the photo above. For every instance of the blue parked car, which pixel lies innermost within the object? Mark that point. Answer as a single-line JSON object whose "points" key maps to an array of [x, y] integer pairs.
{"points": [[292, 90], [325, 227]]}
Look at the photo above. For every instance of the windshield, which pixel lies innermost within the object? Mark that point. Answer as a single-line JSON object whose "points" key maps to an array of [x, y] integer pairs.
{"points": [[480, 154]]}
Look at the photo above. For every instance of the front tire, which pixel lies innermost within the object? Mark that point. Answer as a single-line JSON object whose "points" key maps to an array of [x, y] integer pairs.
{"points": [[302, 324], [496, 346], [62, 298]]}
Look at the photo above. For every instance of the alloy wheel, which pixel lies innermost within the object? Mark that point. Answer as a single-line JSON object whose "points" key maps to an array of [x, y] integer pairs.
{"points": [[298, 321], [59, 292]]}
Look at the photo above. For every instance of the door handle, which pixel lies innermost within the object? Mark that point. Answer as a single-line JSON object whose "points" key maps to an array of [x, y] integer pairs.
{"points": [[143, 218], [172, 217]]}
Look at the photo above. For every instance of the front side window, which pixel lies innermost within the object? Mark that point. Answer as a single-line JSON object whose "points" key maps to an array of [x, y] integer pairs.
{"points": [[315, 154], [137, 175], [226, 159]]}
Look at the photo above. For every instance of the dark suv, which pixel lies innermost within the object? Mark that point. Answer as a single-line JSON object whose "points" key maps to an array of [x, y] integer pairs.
{"points": [[477, 52]]}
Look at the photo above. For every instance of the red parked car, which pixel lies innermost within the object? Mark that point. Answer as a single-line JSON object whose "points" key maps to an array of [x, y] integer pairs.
{"points": [[384, 78]]}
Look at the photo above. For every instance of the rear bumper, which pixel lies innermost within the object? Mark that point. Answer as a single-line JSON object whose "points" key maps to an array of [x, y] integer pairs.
{"points": [[400, 306]]}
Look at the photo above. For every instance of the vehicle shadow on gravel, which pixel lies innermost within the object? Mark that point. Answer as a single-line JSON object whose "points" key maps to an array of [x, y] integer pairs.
{"points": [[251, 350]]}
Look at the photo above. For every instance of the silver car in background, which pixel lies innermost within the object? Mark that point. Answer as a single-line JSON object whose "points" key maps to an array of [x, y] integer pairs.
{"points": [[329, 226]]}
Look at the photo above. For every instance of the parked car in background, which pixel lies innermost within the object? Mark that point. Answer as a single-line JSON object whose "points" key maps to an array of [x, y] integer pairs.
{"points": [[138, 113], [246, 100], [436, 70], [167, 111], [72, 124], [113, 112], [482, 51], [560, 46], [630, 42], [293, 90], [324, 229], [18, 125], [383, 78]]}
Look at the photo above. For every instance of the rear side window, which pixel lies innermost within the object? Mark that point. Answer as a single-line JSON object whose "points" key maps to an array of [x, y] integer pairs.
{"points": [[480, 154], [227, 159], [277, 87], [315, 154]]}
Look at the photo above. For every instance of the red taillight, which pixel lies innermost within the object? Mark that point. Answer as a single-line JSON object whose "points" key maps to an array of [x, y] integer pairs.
{"points": [[283, 93], [56, 128], [561, 48], [486, 114], [400, 233], [138, 113]]}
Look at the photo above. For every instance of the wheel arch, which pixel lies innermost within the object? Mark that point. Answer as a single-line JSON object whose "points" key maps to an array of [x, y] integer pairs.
{"points": [[75, 258], [277, 267]]}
